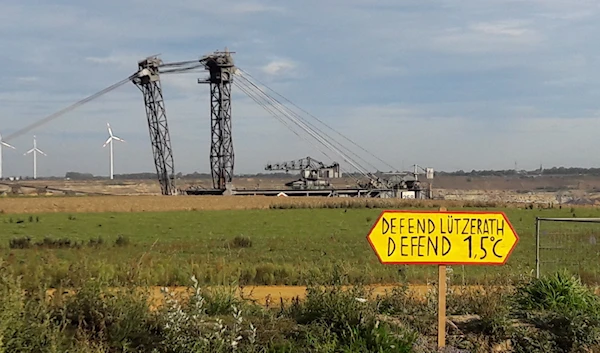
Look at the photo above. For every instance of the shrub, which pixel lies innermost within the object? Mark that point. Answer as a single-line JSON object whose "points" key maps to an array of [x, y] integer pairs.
{"points": [[121, 241], [566, 311], [20, 243], [96, 242], [351, 319], [240, 242], [188, 328], [25, 325], [63, 243], [120, 320], [558, 292]]}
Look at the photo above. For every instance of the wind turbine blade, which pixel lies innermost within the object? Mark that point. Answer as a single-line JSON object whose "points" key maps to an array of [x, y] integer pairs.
{"points": [[107, 141], [7, 145], [118, 138], [109, 129], [40, 151]]}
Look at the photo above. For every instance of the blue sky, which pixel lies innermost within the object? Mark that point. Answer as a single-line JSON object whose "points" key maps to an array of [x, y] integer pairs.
{"points": [[447, 84]]}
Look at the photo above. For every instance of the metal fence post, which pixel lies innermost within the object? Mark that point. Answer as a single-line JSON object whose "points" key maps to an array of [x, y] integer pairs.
{"points": [[537, 247]]}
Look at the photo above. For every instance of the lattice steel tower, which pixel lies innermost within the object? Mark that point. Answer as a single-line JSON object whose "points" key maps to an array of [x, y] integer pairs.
{"points": [[221, 68], [148, 81]]}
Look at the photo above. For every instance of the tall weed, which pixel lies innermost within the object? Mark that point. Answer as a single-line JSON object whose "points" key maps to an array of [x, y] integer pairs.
{"points": [[558, 292], [188, 328]]}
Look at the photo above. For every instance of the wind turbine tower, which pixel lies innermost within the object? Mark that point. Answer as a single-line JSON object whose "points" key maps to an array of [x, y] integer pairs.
{"points": [[3, 144], [35, 151], [110, 140]]}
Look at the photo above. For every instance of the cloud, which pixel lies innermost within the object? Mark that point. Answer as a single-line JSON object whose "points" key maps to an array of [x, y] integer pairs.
{"points": [[279, 67], [489, 37], [28, 79], [250, 7], [118, 60], [502, 28], [448, 84]]}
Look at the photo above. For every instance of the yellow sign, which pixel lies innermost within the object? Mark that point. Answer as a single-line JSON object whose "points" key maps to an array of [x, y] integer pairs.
{"points": [[442, 238]]}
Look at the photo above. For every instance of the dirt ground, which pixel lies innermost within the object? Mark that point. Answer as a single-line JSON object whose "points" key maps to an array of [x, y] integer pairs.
{"points": [[543, 189], [275, 296], [522, 184], [268, 296]]}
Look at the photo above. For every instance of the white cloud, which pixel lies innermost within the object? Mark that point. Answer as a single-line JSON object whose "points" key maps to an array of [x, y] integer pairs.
{"points": [[279, 67], [489, 37], [252, 7], [119, 60], [503, 28], [28, 79], [449, 84]]}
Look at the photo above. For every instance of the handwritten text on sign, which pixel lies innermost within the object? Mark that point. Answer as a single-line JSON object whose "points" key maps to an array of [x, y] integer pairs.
{"points": [[443, 237]]}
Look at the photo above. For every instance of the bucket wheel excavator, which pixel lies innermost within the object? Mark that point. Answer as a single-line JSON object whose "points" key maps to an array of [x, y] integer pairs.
{"points": [[313, 173]]}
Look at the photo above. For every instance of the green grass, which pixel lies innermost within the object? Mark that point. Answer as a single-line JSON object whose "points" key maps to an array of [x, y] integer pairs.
{"points": [[292, 247]]}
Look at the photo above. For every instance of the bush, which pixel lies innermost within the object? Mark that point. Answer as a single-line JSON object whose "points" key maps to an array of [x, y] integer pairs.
{"points": [[63, 243], [121, 241], [565, 311], [119, 320], [559, 292], [25, 325], [240, 242], [20, 243], [351, 319], [188, 328], [94, 243]]}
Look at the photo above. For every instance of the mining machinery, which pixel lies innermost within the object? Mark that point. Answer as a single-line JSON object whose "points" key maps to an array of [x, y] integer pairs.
{"points": [[409, 181], [313, 173], [221, 69]]}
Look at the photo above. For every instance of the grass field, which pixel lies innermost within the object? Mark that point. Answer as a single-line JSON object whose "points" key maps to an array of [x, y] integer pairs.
{"points": [[248, 247], [91, 244]]}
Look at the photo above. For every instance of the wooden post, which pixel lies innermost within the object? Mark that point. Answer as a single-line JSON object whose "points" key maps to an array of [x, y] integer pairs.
{"points": [[441, 306], [442, 302]]}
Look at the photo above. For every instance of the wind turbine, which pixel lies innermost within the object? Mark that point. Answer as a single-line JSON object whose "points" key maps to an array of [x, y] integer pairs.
{"points": [[35, 151], [3, 144], [110, 140]]}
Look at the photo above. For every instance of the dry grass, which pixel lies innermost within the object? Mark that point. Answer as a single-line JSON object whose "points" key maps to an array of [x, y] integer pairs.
{"points": [[140, 203], [87, 204]]}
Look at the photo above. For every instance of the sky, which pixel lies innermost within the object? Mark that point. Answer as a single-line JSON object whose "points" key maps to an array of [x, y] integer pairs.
{"points": [[444, 84]]}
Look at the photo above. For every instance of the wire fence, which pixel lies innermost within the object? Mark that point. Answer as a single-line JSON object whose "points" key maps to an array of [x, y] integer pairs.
{"points": [[571, 244]]}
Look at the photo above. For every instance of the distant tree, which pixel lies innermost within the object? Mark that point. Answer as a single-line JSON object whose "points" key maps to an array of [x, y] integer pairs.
{"points": [[79, 176]]}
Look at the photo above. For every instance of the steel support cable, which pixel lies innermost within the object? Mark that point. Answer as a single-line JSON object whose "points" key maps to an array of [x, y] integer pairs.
{"points": [[359, 168], [313, 133], [251, 94], [261, 93], [318, 138], [338, 151], [318, 130], [68, 109], [180, 69], [314, 117], [264, 106], [295, 121], [179, 63]]}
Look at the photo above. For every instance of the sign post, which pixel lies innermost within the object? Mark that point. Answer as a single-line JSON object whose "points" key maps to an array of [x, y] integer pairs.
{"points": [[442, 238], [442, 291]]}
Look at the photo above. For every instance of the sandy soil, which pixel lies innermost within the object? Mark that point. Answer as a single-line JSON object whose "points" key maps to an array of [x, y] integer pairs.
{"points": [[545, 189], [268, 296], [274, 296]]}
